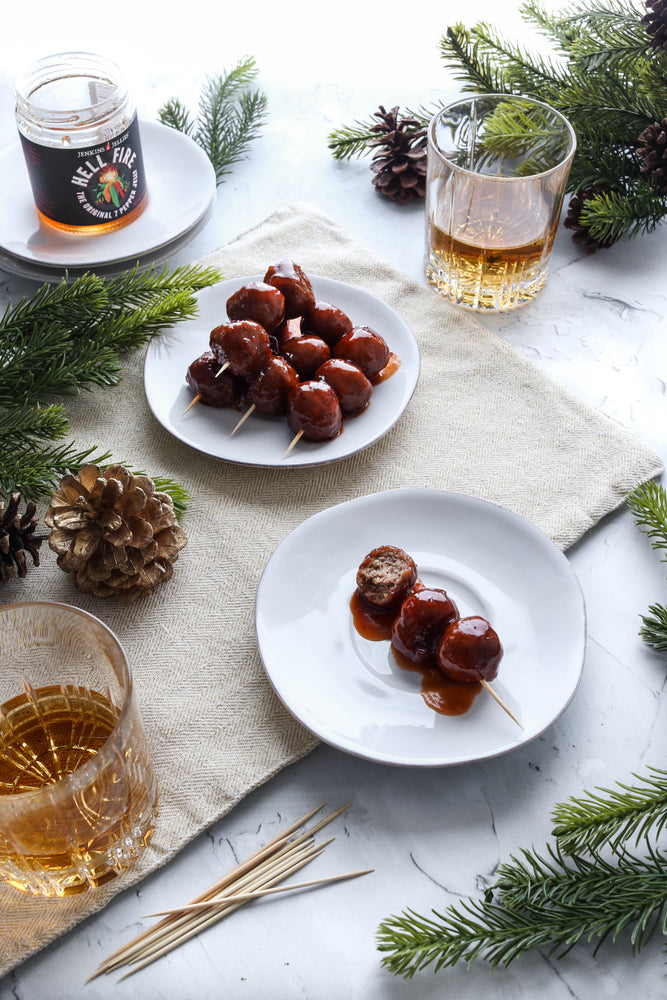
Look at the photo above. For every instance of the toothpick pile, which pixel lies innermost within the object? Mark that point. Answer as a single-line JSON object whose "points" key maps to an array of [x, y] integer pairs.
{"points": [[258, 876]]}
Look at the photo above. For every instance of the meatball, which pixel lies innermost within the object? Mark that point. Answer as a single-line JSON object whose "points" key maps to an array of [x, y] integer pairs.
{"points": [[306, 354], [348, 382], [364, 348], [295, 285], [260, 302], [421, 622], [386, 576], [269, 392], [213, 389], [326, 321], [469, 651], [243, 344], [313, 408]]}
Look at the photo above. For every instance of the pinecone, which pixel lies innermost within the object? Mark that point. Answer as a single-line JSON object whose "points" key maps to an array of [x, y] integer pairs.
{"points": [[581, 235], [399, 163], [653, 152], [114, 532], [17, 536], [656, 23]]}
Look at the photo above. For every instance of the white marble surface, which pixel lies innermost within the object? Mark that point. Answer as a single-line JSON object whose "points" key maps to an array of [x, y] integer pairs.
{"points": [[432, 836]]}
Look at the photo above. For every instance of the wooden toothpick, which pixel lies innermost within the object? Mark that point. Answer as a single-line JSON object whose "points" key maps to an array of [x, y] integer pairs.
{"points": [[295, 439], [244, 417], [487, 687]]}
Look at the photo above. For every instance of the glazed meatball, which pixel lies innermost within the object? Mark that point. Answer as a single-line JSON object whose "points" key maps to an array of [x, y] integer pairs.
{"points": [[364, 348], [260, 302], [295, 285], [213, 389], [243, 344], [313, 408], [326, 321], [306, 354], [386, 576], [349, 383], [469, 651], [270, 390], [421, 622]]}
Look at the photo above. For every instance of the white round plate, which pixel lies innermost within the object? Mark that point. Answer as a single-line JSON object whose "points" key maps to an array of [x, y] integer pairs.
{"points": [[263, 440], [349, 691], [181, 191]]}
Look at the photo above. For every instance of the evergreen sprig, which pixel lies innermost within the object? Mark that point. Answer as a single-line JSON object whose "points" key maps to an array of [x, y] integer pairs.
{"points": [[229, 117], [557, 899], [649, 505], [601, 73], [68, 337]]}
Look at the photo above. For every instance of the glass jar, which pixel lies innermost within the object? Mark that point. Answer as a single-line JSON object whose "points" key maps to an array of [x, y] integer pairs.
{"points": [[80, 136]]}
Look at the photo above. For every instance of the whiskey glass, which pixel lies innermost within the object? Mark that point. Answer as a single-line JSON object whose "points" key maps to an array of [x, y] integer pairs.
{"points": [[77, 791], [497, 172]]}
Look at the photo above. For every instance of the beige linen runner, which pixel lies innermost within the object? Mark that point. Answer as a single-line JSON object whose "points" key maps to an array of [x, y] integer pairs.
{"points": [[483, 421]]}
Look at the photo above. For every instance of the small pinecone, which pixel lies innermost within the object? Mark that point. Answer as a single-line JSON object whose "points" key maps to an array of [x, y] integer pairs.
{"points": [[17, 536], [656, 23], [653, 153], [399, 163], [580, 233], [114, 532]]}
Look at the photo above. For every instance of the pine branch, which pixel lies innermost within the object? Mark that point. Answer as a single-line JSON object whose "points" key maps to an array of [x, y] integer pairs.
{"points": [[653, 630], [36, 472], [460, 51], [550, 903], [648, 503], [613, 816], [176, 115], [69, 337], [229, 117], [352, 141]]}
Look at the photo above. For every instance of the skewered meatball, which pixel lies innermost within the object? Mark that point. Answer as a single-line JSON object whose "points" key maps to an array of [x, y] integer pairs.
{"points": [[244, 344], [326, 321], [421, 622], [469, 651], [364, 348], [386, 576], [223, 390], [306, 354], [313, 408], [295, 285], [270, 391], [260, 302], [348, 382]]}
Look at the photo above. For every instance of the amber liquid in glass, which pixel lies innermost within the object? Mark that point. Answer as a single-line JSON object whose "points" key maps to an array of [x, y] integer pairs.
{"points": [[46, 735], [492, 252]]}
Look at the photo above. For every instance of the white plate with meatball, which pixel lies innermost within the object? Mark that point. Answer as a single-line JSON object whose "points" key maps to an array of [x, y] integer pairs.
{"points": [[352, 693], [263, 440]]}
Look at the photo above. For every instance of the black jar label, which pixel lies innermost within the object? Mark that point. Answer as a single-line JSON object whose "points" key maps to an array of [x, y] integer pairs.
{"points": [[88, 187]]}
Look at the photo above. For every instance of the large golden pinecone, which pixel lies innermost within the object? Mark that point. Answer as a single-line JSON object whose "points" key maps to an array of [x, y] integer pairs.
{"points": [[114, 532]]}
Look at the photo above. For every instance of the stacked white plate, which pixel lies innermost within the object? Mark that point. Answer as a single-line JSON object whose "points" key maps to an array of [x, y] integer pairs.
{"points": [[181, 197]]}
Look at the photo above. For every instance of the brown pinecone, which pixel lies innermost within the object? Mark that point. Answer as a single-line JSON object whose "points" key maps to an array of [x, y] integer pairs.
{"points": [[580, 234], [656, 23], [399, 162], [17, 536], [114, 532], [653, 151]]}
